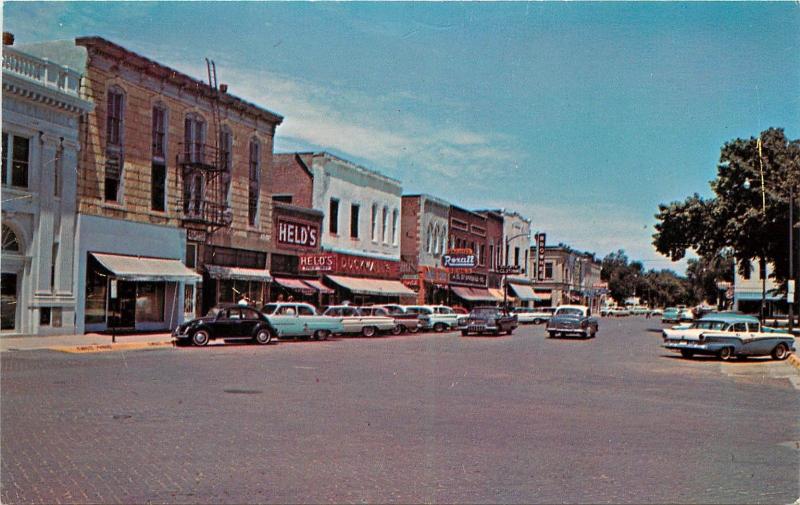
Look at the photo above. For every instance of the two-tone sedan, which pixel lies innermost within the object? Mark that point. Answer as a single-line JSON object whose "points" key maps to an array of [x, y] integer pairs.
{"points": [[572, 320], [491, 320], [291, 319], [226, 322], [728, 336], [356, 321]]}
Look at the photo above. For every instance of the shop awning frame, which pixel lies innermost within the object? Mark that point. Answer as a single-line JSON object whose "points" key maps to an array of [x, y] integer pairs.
{"points": [[319, 286], [474, 294], [295, 285], [379, 287], [524, 292], [238, 273], [145, 269]]}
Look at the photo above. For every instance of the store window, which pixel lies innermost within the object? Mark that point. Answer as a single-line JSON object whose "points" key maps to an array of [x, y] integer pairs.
{"points": [[233, 290], [149, 302], [96, 289], [354, 212], [254, 182], [16, 154]]}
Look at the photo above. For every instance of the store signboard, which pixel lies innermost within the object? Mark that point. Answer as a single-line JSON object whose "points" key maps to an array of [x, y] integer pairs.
{"points": [[540, 243], [459, 258], [324, 262]]}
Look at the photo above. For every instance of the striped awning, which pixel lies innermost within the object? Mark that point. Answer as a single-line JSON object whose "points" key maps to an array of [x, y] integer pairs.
{"points": [[475, 294], [295, 285], [136, 268], [381, 287], [238, 273], [325, 290]]}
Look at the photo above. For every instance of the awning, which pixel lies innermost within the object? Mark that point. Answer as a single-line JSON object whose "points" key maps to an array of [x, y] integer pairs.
{"points": [[525, 293], [372, 286], [544, 295], [498, 295], [295, 285], [135, 268], [325, 290], [238, 273], [474, 294], [754, 296]]}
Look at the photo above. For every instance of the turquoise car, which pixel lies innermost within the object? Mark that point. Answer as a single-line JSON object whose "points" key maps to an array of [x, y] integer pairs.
{"points": [[671, 315], [293, 320]]}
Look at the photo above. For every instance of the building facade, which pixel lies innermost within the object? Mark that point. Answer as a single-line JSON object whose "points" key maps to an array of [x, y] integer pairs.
{"points": [[570, 276], [41, 111], [423, 242], [468, 231], [747, 291], [182, 166]]}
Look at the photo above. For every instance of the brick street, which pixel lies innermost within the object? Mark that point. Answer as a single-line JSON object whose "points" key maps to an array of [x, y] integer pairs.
{"points": [[423, 418]]}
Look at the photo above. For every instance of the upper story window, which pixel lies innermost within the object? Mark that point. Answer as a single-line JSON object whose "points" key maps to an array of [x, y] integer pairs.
{"points": [[10, 241], [115, 113], [58, 167], [333, 216], [254, 181], [385, 226], [16, 153], [548, 269], [395, 217], [374, 222], [159, 132], [354, 211], [194, 134], [429, 240]]}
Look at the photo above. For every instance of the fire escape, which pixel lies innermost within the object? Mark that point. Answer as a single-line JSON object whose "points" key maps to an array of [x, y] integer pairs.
{"points": [[205, 171]]}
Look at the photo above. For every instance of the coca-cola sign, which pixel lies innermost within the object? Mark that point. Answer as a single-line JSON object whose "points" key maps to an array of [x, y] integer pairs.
{"points": [[297, 233]]}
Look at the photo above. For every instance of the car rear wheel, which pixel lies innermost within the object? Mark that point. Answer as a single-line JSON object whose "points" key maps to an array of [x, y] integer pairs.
{"points": [[552, 334], [780, 352], [726, 353], [537, 321], [510, 331], [686, 353], [415, 329], [397, 330], [369, 331], [439, 327], [321, 335], [200, 338], [263, 337]]}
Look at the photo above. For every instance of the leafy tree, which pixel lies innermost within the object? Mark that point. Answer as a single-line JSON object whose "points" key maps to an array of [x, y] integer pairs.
{"points": [[737, 218], [626, 277], [704, 273]]}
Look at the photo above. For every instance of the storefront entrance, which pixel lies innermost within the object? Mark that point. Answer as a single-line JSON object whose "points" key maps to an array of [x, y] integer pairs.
{"points": [[8, 302], [122, 309]]}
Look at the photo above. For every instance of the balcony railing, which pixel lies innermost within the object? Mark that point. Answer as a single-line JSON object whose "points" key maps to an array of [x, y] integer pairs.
{"points": [[205, 212], [41, 71], [202, 156]]}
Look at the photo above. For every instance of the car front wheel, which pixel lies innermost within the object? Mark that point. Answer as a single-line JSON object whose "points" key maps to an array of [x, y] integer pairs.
{"points": [[552, 334], [397, 330], [321, 334], [686, 353], [200, 338], [438, 327], [726, 353], [369, 331], [263, 337], [780, 352]]}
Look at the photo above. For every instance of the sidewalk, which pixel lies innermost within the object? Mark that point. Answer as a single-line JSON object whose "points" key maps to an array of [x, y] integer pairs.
{"points": [[90, 342]]}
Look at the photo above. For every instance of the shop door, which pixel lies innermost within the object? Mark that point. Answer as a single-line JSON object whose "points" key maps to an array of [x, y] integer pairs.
{"points": [[123, 307], [8, 302]]}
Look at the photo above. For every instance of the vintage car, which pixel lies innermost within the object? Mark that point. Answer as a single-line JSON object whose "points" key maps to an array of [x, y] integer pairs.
{"points": [[619, 312], [656, 312], [292, 319], [226, 322], [727, 336], [527, 315], [492, 320], [572, 319], [404, 321], [671, 315], [354, 321], [686, 314], [435, 317]]}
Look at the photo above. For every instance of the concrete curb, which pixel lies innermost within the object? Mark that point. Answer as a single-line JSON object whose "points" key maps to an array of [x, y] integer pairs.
{"points": [[125, 346]]}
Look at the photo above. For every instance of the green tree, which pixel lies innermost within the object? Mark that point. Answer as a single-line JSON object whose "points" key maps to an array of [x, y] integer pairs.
{"points": [[704, 273], [737, 218]]}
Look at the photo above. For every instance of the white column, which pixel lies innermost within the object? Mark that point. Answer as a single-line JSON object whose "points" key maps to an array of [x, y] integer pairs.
{"points": [[65, 268], [43, 231]]}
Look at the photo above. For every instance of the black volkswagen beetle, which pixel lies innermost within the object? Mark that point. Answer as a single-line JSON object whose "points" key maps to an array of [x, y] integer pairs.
{"points": [[492, 320], [226, 322]]}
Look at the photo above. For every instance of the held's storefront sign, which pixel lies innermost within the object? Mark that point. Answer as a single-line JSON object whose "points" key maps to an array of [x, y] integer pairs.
{"points": [[324, 262], [297, 233], [459, 258], [346, 264]]}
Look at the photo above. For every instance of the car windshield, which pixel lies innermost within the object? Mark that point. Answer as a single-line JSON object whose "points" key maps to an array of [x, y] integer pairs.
{"points": [[484, 312], [569, 311], [709, 325], [269, 308]]}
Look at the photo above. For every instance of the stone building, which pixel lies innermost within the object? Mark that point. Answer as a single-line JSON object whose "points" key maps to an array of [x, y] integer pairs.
{"points": [[570, 276], [178, 166], [41, 110]]}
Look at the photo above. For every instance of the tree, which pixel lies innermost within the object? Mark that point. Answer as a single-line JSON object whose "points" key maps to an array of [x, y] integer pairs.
{"points": [[704, 273], [737, 218], [626, 278]]}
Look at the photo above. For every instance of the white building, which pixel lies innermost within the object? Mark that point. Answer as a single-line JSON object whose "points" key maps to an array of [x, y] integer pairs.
{"points": [[41, 107], [747, 290], [361, 208]]}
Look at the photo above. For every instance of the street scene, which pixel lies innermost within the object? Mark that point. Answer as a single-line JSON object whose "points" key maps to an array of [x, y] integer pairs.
{"points": [[400, 252]]}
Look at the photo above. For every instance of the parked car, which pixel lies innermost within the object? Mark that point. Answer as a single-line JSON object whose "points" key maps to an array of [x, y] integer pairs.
{"points": [[534, 315], [355, 321], [227, 322], [619, 312], [435, 317], [728, 336], [686, 314], [492, 320], [656, 312], [403, 321], [301, 320], [671, 315], [573, 319]]}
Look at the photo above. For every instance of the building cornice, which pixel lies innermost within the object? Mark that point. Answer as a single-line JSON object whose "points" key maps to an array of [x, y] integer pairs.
{"points": [[37, 92]]}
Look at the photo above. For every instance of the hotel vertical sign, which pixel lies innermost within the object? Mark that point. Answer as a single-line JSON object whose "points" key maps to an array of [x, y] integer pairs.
{"points": [[540, 242]]}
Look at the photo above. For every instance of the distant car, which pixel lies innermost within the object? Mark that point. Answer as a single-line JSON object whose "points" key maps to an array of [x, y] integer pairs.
{"points": [[573, 319], [438, 318], [301, 320], [492, 320], [671, 315], [686, 315], [535, 315], [656, 312], [728, 336], [403, 321], [227, 322], [619, 311], [356, 321]]}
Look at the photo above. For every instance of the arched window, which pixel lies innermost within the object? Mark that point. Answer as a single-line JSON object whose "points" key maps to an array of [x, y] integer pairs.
{"points": [[11, 242], [436, 240], [444, 239], [429, 243]]}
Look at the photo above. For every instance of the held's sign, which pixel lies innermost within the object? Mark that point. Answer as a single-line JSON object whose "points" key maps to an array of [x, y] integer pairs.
{"points": [[317, 262], [459, 258], [295, 233]]}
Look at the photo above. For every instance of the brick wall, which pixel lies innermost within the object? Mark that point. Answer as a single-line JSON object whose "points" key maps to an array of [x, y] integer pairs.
{"points": [[409, 230], [290, 177]]}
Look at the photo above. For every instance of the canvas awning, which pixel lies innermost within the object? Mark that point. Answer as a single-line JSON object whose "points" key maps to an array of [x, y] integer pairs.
{"points": [[325, 290], [295, 285], [498, 295], [474, 294], [753, 296], [525, 292], [544, 295], [238, 273], [372, 286], [135, 268]]}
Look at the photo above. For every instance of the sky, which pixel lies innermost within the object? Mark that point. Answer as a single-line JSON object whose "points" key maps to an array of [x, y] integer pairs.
{"points": [[581, 116]]}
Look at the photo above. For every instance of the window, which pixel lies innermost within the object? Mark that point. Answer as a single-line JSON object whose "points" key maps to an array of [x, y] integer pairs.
{"points": [[429, 241], [115, 112], [516, 256], [191, 255], [250, 314], [305, 310], [194, 133], [374, 222], [385, 227], [114, 117], [53, 263], [394, 226], [548, 270], [282, 198], [255, 175], [508, 251], [112, 177], [226, 160], [525, 265], [44, 316], [16, 149], [482, 255], [354, 208], [333, 216], [149, 301], [58, 166], [159, 132], [158, 186], [55, 317], [10, 240], [491, 255], [435, 241]]}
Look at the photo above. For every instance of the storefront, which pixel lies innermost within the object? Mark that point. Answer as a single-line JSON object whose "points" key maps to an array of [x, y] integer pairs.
{"points": [[470, 289], [232, 275], [522, 290]]}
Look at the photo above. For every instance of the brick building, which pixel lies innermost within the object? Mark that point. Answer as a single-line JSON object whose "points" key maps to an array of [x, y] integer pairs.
{"points": [[178, 166], [468, 230], [423, 241]]}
